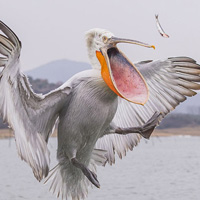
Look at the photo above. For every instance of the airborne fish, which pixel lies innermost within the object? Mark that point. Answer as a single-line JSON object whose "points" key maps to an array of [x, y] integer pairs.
{"points": [[160, 29]]}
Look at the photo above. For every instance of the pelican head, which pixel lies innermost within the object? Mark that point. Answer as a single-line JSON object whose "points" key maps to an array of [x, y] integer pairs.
{"points": [[96, 39], [117, 71]]}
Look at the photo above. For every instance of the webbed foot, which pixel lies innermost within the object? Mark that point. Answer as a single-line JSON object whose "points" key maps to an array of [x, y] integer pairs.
{"points": [[92, 177]]}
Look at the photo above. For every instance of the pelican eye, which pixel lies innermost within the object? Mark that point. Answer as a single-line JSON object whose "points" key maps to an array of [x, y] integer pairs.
{"points": [[105, 39]]}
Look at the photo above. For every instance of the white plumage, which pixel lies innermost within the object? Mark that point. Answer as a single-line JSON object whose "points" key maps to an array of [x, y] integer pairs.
{"points": [[95, 121]]}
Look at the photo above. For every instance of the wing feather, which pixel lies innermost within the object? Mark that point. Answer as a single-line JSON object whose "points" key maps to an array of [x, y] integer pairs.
{"points": [[31, 116], [169, 82]]}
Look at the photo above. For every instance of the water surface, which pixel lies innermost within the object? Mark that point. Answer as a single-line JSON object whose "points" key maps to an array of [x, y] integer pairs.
{"points": [[166, 168]]}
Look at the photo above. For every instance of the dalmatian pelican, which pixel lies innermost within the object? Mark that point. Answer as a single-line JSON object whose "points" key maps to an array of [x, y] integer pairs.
{"points": [[102, 111]]}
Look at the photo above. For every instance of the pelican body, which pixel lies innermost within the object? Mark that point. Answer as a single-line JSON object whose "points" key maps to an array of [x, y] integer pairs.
{"points": [[101, 112]]}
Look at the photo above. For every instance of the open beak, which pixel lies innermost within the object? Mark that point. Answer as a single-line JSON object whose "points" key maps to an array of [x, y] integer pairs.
{"points": [[120, 74], [115, 40]]}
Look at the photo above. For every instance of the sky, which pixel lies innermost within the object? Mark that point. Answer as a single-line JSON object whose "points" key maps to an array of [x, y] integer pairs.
{"points": [[54, 29]]}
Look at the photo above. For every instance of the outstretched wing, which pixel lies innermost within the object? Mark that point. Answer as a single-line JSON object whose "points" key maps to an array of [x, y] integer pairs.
{"points": [[31, 116], [169, 82]]}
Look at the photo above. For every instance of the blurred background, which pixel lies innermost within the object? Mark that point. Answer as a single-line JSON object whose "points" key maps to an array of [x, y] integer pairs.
{"points": [[52, 30], [54, 49]]}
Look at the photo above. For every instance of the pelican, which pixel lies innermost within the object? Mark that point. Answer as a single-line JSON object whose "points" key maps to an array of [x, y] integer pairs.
{"points": [[102, 111]]}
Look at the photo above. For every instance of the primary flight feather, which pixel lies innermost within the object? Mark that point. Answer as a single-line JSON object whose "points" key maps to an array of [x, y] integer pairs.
{"points": [[101, 111]]}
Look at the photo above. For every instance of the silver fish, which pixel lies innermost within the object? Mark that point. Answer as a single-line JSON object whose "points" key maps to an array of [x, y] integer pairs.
{"points": [[160, 29]]}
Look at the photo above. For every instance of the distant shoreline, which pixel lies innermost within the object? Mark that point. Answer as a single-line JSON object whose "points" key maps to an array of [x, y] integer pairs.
{"points": [[6, 133], [192, 131]]}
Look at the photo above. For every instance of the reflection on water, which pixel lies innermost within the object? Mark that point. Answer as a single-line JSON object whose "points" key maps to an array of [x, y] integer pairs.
{"points": [[162, 168]]}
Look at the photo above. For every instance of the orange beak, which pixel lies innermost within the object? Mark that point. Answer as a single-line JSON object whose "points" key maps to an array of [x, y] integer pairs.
{"points": [[105, 72], [121, 76]]}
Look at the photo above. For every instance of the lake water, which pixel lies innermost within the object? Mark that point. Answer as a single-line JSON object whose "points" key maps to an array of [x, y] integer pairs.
{"points": [[164, 168]]}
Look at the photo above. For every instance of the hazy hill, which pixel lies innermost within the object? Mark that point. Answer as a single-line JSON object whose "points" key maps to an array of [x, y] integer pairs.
{"points": [[58, 71], [42, 86], [178, 120], [190, 106]]}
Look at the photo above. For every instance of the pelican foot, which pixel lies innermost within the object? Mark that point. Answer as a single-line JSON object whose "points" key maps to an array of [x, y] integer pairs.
{"points": [[92, 177], [149, 126], [145, 130]]}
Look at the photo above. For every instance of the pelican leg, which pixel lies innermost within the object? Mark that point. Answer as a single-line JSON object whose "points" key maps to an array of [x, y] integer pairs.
{"points": [[144, 130], [88, 173]]}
